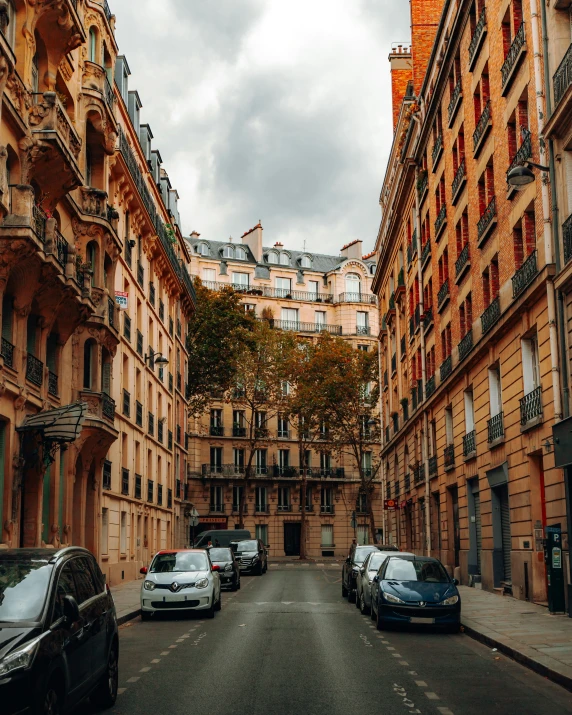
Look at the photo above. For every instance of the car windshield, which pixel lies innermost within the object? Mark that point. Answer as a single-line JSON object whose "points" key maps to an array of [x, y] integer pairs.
{"points": [[362, 552], [247, 546], [218, 555], [428, 571], [23, 588], [179, 561], [375, 561]]}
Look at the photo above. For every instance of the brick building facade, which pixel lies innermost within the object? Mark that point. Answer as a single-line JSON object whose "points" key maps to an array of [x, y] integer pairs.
{"points": [[465, 283]]}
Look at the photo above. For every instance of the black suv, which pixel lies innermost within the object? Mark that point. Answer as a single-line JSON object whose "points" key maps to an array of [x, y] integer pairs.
{"points": [[251, 555], [224, 558], [58, 632], [351, 567]]}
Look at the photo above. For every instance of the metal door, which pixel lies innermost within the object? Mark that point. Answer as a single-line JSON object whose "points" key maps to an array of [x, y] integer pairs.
{"points": [[456, 525], [292, 538], [477, 500], [505, 531]]}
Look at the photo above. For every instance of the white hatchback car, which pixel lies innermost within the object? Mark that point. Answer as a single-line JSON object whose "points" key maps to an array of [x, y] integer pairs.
{"points": [[180, 580]]}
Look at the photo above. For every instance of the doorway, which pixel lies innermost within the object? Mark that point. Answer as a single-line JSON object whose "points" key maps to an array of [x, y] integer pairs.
{"points": [[292, 531], [454, 492]]}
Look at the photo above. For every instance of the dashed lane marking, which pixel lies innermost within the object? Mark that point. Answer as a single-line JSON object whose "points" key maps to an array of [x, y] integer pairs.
{"points": [[134, 679], [432, 696], [421, 683], [156, 660], [172, 646], [396, 655], [403, 662], [165, 652], [120, 691], [445, 711], [146, 669], [390, 648]]}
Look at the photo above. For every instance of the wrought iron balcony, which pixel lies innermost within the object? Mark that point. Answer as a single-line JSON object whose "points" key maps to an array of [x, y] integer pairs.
{"points": [[159, 494], [238, 431], [487, 221], [401, 279], [126, 403], [478, 37], [459, 181], [326, 508], [567, 239], [407, 481], [52, 125], [111, 309], [531, 406], [470, 444], [462, 261], [524, 152], [140, 274], [7, 352], [62, 249], [108, 407], [152, 293], [446, 368], [39, 219], [419, 474], [466, 345], [170, 439], [495, 428], [428, 318], [150, 490], [513, 57], [456, 98], [441, 221], [295, 326], [53, 384], [217, 431], [437, 151], [525, 275], [106, 476], [357, 298], [491, 315], [563, 77], [362, 330], [483, 125], [284, 434], [287, 472], [34, 370], [443, 294], [422, 185], [430, 386], [425, 252], [433, 466], [449, 456]]}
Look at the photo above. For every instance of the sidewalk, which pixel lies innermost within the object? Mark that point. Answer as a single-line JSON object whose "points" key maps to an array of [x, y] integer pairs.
{"points": [[126, 597], [524, 631]]}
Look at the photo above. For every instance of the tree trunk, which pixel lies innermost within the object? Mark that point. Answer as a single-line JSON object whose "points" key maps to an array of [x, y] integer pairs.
{"points": [[303, 519], [245, 488], [369, 496]]}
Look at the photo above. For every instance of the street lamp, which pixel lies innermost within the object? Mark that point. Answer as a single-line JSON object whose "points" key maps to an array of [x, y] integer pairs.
{"points": [[156, 359], [522, 175]]}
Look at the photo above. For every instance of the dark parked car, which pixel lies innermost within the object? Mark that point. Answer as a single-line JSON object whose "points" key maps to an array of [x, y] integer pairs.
{"points": [[58, 632], [351, 568], [251, 555], [229, 572], [366, 574], [220, 537], [417, 590]]}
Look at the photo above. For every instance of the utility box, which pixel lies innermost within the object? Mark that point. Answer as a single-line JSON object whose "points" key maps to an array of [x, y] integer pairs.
{"points": [[554, 568]]}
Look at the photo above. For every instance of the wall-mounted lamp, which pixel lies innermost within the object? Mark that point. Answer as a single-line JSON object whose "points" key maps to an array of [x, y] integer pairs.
{"points": [[156, 359], [521, 176]]}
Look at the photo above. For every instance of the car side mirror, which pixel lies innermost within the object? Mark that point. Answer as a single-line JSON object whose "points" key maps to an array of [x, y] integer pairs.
{"points": [[348, 561], [456, 581], [376, 578], [144, 570], [216, 567], [71, 610]]}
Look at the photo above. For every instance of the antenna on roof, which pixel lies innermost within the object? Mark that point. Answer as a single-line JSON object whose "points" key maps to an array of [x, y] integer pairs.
{"points": [[304, 247]]}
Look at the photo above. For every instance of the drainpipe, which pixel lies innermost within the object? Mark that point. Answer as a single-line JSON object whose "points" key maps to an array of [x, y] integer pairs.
{"points": [[383, 474], [548, 245]]}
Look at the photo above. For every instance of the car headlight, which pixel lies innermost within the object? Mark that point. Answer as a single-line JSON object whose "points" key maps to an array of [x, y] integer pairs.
{"points": [[354, 572], [202, 583], [254, 559], [149, 586], [391, 599], [21, 658], [451, 601], [228, 567]]}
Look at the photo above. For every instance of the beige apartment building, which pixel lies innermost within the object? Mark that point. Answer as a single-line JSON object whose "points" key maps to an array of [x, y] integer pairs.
{"points": [[308, 293], [94, 287]]}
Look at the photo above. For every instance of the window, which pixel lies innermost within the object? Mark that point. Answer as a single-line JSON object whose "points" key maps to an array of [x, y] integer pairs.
{"points": [[361, 504], [261, 461], [203, 249], [272, 257], [240, 280], [289, 316], [325, 464], [327, 500], [449, 424], [123, 533], [92, 45], [66, 587], [362, 320], [313, 288], [104, 530], [217, 504], [240, 253], [10, 28], [216, 459], [284, 259], [216, 418], [237, 493], [209, 275], [283, 287], [284, 458], [366, 464], [362, 535], [284, 499], [320, 317], [308, 498], [495, 391], [530, 365], [84, 580], [327, 537], [283, 427], [228, 252], [262, 533], [249, 307], [306, 262], [353, 284], [469, 412], [238, 455], [285, 388], [261, 502]]}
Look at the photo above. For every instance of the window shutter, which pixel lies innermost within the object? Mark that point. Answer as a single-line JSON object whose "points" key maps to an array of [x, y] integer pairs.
{"points": [[106, 378]]}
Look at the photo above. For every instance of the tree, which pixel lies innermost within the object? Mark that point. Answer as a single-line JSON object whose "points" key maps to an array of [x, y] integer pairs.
{"points": [[343, 385], [258, 394], [219, 331]]}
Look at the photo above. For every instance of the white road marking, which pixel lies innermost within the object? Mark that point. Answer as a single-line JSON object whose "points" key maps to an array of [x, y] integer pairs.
{"points": [[172, 646], [403, 662], [165, 652], [412, 672], [390, 648], [396, 655], [421, 683], [120, 691], [134, 679], [445, 711], [432, 696], [180, 640], [156, 660], [145, 670]]}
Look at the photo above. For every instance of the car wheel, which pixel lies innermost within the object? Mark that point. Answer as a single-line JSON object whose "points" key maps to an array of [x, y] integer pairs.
{"points": [[51, 703], [259, 570], [146, 615], [211, 611], [379, 620], [218, 604], [238, 585], [371, 611], [364, 610], [352, 596], [344, 590], [235, 585], [105, 694], [358, 600]]}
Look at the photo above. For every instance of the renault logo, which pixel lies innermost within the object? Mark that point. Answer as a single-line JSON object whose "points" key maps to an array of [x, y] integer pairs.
{"points": [[174, 586]]}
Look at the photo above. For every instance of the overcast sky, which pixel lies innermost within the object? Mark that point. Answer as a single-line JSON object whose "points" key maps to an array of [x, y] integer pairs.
{"points": [[278, 110]]}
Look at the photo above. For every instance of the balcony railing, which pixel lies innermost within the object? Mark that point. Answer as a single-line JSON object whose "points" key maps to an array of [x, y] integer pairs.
{"points": [[466, 345], [563, 76], [449, 456], [7, 352], [456, 96], [531, 406], [283, 434], [441, 220], [62, 248], [238, 431], [476, 39], [482, 126], [34, 370], [298, 327], [525, 275], [433, 466], [446, 368], [462, 261], [458, 181], [217, 431], [288, 472], [443, 293], [422, 185], [357, 298], [108, 407], [469, 444], [487, 220], [140, 274], [363, 330], [425, 252], [39, 223], [419, 474], [513, 56], [428, 318], [160, 430], [491, 315], [567, 239], [437, 149], [111, 313], [524, 152], [495, 428], [430, 386], [53, 384]]}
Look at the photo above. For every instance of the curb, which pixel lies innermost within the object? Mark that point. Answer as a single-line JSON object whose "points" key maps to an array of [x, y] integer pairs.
{"points": [[545, 671], [128, 616]]}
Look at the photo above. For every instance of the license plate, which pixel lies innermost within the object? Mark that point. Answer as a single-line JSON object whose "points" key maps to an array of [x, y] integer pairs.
{"points": [[424, 621]]}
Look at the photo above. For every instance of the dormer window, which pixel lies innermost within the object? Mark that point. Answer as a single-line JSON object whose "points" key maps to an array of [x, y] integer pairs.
{"points": [[372, 269], [203, 249], [306, 262], [273, 257], [228, 252], [240, 254], [284, 259]]}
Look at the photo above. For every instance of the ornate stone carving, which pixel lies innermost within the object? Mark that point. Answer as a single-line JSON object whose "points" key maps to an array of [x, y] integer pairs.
{"points": [[18, 93]]}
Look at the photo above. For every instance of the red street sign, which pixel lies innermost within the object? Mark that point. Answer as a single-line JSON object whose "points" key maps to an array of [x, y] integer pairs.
{"points": [[213, 519], [403, 504], [390, 505]]}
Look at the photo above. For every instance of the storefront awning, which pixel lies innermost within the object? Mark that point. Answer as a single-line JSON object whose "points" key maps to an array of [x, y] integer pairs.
{"points": [[60, 425]]}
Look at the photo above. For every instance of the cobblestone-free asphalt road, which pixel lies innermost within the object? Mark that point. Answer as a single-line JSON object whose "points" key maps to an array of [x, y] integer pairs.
{"points": [[288, 643]]}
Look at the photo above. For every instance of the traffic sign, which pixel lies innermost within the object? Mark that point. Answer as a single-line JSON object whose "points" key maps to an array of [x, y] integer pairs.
{"points": [[194, 520]]}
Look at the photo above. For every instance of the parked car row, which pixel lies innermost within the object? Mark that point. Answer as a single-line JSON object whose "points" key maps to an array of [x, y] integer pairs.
{"points": [[400, 588]]}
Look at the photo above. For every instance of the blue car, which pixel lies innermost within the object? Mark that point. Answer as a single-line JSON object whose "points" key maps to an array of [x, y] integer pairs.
{"points": [[416, 590]]}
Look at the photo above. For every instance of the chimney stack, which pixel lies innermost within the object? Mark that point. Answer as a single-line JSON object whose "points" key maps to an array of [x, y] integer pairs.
{"points": [[401, 75], [425, 16], [352, 250]]}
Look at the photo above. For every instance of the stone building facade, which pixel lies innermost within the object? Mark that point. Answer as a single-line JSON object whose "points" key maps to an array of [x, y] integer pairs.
{"points": [[307, 293], [469, 343], [89, 227]]}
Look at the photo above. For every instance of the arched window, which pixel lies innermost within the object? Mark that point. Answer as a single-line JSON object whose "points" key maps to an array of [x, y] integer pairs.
{"points": [[240, 254], [89, 363], [10, 30], [203, 249], [284, 259], [272, 257], [91, 259], [228, 252], [306, 262], [353, 284], [7, 317], [92, 44], [372, 269]]}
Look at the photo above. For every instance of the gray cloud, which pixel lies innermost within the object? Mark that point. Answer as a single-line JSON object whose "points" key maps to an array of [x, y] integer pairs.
{"points": [[269, 109]]}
